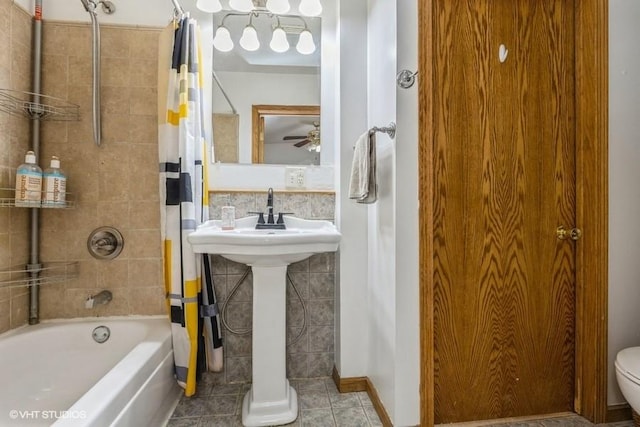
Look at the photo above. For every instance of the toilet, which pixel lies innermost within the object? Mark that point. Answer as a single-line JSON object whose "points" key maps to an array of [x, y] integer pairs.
{"points": [[628, 375]]}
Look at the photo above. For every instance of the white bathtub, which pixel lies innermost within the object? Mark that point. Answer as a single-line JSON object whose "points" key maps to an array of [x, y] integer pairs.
{"points": [[55, 373]]}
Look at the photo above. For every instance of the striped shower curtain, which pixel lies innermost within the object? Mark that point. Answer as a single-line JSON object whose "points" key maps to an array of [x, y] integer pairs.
{"points": [[197, 343]]}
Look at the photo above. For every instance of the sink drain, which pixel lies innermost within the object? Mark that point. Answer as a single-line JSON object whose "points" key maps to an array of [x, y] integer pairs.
{"points": [[101, 334]]}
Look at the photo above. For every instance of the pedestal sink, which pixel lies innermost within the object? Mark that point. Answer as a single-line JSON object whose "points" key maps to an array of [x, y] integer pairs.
{"points": [[271, 400]]}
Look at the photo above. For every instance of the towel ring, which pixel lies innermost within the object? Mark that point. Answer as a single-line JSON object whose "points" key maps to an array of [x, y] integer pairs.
{"points": [[389, 130]]}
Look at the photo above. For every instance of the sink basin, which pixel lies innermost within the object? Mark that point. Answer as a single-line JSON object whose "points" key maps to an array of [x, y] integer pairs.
{"points": [[301, 239]]}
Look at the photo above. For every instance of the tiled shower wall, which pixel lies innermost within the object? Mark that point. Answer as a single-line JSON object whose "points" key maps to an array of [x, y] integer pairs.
{"points": [[311, 356], [113, 185], [15, 74]]}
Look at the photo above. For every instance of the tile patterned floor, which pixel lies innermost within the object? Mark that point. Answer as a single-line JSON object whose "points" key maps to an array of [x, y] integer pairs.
{"points": [[320, 405]]}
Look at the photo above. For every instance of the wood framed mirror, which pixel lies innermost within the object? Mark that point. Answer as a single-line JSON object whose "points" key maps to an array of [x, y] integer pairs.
{"points": [[261, 112]]}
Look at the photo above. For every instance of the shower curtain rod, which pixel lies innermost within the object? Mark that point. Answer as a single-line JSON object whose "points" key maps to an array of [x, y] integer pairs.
{"points": [[177, 7]]}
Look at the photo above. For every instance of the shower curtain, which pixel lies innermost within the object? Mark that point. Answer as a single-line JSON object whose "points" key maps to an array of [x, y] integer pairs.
{"points": [[197, 342]]}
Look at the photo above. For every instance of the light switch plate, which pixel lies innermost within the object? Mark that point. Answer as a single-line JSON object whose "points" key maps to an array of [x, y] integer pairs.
{"points": [[295, 177]]}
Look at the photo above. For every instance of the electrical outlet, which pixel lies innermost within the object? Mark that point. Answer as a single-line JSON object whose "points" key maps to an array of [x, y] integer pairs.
{"points": [[295, 177]]}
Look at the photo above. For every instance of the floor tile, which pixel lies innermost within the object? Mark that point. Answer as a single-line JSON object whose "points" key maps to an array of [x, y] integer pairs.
{"points": [[313, 400], [344, 400], [372, 416], [350, 417], [183, 422], [316, 418]]}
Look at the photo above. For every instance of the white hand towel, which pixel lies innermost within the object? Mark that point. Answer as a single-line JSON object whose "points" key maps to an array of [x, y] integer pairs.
{"points": [[362, 185]]}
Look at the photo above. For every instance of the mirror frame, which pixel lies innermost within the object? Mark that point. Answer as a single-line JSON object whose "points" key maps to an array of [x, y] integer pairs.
{"points": [[258, 112]]}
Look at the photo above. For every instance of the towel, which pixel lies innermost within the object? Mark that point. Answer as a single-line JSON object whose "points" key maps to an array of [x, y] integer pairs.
{"points": [[363, 186]]}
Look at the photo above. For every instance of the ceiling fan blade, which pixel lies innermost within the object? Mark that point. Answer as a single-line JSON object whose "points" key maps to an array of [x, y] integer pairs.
{"points": [[301, 143], [290, 137]]}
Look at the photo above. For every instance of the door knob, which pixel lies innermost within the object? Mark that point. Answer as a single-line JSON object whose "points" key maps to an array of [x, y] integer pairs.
{"points": [[573, 234]]}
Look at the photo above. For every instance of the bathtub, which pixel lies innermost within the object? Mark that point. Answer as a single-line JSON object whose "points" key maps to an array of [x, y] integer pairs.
{"points": [[55, 373]]}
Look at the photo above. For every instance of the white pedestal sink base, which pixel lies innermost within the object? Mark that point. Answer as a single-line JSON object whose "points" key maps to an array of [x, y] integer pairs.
{"points": [[271, 400], [256, 414]]}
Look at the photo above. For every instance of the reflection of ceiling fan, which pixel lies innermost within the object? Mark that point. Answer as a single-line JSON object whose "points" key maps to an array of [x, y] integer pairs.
{"points": [[312, 137]]}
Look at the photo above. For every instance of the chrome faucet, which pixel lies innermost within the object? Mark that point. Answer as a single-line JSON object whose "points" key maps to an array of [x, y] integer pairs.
{"points": [[270, 219], [271, 222]]}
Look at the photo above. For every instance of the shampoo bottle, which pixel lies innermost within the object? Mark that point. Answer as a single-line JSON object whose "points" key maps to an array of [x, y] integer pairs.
{"points": [[28, 183], [54, 185]]}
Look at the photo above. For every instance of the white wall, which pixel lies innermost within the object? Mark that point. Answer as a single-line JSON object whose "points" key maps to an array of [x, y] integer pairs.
{"points": [[246, 89], [381, 289], [624, 175], [393, 292], [351, 318]]}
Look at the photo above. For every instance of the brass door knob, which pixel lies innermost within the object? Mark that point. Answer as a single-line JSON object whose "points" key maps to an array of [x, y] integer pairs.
{"points": [[573, 234]]}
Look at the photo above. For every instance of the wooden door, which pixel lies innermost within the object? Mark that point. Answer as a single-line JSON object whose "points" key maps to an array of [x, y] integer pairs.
{"points": [[504, 297]]}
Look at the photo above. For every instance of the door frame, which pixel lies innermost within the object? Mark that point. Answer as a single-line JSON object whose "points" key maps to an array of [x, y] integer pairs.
{"points": [[592, 191]]}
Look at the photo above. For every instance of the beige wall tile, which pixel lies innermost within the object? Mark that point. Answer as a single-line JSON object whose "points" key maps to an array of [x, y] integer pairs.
{"points": [[55, 38], [19, 310], [79, 40], [144, 44], [20, 27], [143, 72], [144, 129], [144, 215], [115, 72], [144, 101], [145, 273], [5, 316], [80, 71], [143, 244], [147, 301], [115, 42]]}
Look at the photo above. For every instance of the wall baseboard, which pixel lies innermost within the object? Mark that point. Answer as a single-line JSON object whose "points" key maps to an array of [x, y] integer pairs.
{"points": [[353, 384], [617, 413]]}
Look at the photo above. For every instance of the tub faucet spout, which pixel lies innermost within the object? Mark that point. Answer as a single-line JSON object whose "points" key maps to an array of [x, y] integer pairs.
{"points": [[100, 298]]}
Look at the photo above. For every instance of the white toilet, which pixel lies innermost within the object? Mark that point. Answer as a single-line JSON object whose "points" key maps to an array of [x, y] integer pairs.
{"points": [[628, 376]]}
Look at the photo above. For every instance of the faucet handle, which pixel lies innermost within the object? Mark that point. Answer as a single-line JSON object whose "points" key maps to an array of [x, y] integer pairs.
{"points": [[280, 217], [260, 216]]}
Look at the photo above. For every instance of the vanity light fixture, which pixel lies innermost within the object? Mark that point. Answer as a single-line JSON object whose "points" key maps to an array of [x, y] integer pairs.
{"points": [[305, 45], [209, 6], [222, 41], [249, 40], [279, 42], [310, 7], [278, 6], [241, 5]]}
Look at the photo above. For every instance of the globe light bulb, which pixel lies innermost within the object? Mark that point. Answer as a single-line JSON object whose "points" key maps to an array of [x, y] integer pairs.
{"points": [[222, 40], [241, 5], [278, 6], [279, 42], [249, 40], [310, 7], [305, 45], [209, 6]]}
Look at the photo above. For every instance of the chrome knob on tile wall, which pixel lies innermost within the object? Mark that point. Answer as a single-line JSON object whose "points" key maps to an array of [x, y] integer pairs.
{"points": [[105, 243], [564, 234]]}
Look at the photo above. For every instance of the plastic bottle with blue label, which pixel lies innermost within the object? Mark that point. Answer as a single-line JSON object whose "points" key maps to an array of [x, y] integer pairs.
{"points": [[54, 185], [28, 183]]}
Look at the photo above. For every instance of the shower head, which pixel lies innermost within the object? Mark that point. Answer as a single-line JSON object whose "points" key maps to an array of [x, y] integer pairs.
{"points": [[107, 6]]}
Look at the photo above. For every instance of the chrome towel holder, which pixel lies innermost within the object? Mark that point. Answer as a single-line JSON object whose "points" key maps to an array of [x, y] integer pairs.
{"points": [[389, 130]]}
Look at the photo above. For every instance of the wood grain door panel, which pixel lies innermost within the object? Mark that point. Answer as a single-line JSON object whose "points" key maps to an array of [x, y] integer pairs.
{"points": [[504, 179]]}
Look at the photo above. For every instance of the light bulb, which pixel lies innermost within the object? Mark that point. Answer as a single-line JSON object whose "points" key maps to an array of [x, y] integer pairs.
{"points": [[278, 6], [241, 5], [310, 7], [305, 45], [249, 40], [279, 42], [209, 6], [222, 41]]}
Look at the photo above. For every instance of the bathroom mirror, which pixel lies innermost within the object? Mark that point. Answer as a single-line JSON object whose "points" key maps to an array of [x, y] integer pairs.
{"points": [[265, 78], [286, 134]]}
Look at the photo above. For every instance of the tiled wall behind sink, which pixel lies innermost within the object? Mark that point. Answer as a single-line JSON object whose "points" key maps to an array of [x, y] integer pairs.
{"points": [[311, 356]]}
